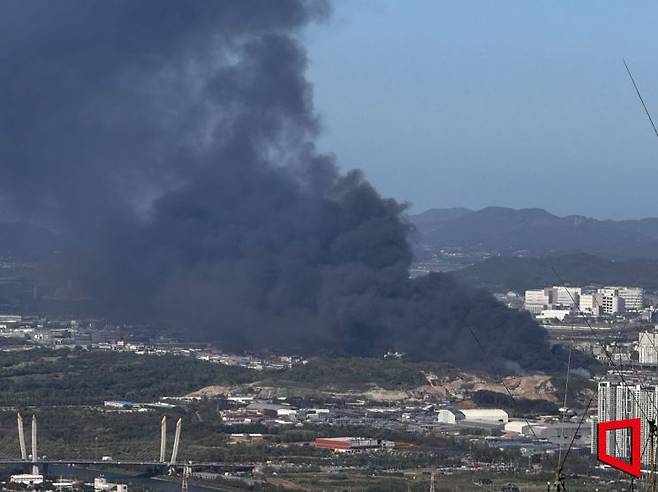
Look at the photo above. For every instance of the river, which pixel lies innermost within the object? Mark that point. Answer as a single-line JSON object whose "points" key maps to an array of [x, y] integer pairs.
{"points": [[88, 475]]}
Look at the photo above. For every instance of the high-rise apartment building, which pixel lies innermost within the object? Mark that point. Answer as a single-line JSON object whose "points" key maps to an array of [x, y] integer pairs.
{"points": [[647, 347], [619, 401]]}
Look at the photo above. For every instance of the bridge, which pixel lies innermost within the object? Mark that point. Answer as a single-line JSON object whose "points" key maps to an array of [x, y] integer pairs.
{"points": [[169, 463]]}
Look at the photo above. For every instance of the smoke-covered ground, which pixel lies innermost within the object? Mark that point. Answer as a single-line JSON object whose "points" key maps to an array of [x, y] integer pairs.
{"points": [[172, 143]]}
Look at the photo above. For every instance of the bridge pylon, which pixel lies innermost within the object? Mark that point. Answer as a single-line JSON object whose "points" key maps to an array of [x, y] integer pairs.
{"points": [[163, 439], [35, 456], [21, 436], [174, 451]]}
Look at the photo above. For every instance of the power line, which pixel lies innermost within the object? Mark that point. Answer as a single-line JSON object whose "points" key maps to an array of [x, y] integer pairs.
{"points": [[566, 392], [559, 477], [639, 95]]}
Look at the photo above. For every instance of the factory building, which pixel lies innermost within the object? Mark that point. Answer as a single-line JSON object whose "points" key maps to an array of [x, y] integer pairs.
{"points": [[493, 416], [27, 479], [517, 426], [351, 443], [120, 404], [102, 485], [489, 415], [446, 417], [558, 314], [245, 438]]}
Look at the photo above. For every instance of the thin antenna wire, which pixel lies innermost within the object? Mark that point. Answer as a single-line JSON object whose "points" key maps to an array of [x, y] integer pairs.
{"points": [[651, 422], [575, 435], [566, 392], [637, 91]]}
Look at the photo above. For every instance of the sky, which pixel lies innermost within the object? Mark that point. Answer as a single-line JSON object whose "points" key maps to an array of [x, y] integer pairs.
{"points": [[507, 103]]}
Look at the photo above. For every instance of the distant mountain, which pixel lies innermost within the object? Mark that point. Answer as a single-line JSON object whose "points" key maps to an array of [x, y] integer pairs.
{"points": [[433, 216], [518, 274], [26, 240], [648, 227], [533, 232]]}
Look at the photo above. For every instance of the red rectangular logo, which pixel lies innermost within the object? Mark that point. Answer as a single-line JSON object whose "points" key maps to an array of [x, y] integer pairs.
{"points": [[632, 467]]}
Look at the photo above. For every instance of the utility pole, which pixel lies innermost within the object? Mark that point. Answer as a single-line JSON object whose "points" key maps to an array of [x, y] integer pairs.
{"points": [[652, 455], [186, 474]]}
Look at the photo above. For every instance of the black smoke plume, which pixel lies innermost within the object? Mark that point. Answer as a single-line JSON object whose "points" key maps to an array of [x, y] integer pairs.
{"points": [[172, 143]]}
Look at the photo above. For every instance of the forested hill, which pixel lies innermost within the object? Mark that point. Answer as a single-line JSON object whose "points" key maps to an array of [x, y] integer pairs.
{"points": [[534, 232], [515, 273]]}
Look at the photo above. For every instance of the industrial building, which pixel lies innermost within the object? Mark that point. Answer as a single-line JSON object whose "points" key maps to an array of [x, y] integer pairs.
{"points": [[245, 438], [491, 416], [517, 426], [102, 485], [120, 404], [27, 479], [558, 314], [351, 443]]}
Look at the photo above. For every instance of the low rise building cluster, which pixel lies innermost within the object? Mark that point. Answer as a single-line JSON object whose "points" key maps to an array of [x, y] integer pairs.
{"points": [[540, 435], [27, 332], [560, 301]]}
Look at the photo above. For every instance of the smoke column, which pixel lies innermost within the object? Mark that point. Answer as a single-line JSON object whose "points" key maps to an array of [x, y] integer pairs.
{"points": [[172, 143]]}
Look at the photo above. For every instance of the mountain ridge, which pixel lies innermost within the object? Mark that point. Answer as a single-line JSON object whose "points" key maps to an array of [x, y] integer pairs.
{"points": [[534, 232]]}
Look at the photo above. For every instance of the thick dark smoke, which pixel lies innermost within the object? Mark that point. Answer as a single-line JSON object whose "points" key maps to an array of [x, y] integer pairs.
{"points": [[172, 143]]}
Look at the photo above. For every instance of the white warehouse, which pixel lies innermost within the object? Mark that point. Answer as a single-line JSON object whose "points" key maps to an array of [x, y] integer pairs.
{"points": [[482, 415]]}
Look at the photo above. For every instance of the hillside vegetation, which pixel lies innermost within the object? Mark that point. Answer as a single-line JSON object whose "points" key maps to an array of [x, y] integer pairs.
{"points": [[518, 274], [534, 232]]}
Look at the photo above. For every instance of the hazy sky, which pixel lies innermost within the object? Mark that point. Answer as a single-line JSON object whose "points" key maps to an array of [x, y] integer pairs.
{"points": [[512, 103]]}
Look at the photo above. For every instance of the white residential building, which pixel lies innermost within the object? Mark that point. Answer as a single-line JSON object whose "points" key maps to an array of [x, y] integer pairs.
{"points": [[633, 296], [549, 298], [536, 300], [648, 347], [566, 296], [590, 304], [611, 303]]}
